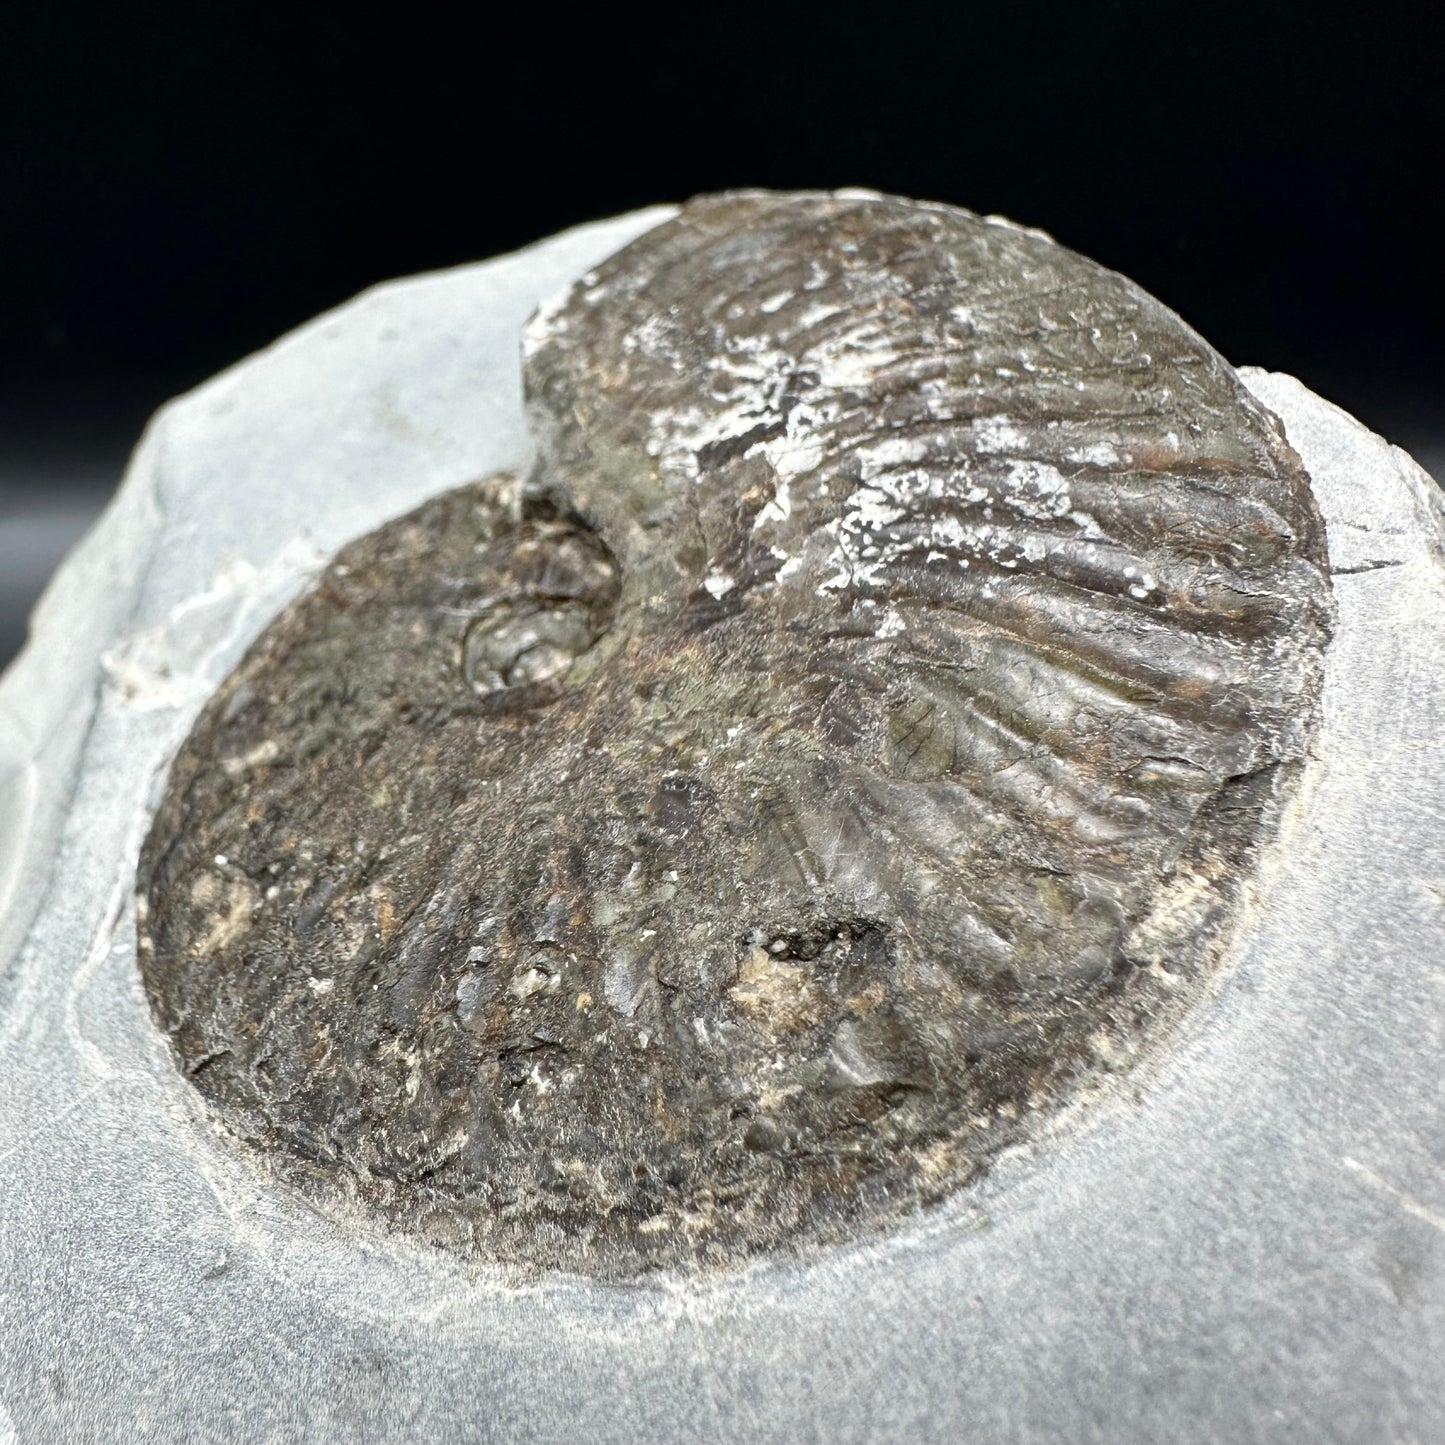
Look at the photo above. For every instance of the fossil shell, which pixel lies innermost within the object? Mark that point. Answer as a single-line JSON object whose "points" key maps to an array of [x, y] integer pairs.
{"points": [[846, 747]]}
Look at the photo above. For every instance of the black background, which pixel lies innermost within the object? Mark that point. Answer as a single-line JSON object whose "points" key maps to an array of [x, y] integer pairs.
{"points": [[181, 183]]}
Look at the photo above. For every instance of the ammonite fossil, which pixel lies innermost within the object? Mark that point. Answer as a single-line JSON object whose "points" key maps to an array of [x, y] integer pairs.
{"points": [[845, 747]]}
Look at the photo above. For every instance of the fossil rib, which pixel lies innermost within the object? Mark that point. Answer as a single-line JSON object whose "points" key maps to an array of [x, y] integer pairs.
{"points": [[844, 748]]}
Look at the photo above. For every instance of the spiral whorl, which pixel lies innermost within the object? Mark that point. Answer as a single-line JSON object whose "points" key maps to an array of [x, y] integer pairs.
{"points": [[846, 746]]}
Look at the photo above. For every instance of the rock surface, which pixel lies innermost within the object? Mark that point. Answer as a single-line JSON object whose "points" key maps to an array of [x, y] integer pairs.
{"points": [[1250, 1245]]}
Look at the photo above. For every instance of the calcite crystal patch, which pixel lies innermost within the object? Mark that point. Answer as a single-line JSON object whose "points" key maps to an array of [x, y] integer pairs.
{"points": [[846, 747]]}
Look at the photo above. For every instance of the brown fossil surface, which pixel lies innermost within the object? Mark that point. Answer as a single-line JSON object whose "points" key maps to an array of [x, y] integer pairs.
{"points": [[846, 747]]}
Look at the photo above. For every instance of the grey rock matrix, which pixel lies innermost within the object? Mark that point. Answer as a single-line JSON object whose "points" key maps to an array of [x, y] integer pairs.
{"points": [[1240, 1237]]}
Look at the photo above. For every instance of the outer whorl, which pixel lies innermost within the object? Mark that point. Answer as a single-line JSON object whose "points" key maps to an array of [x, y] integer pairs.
{"points": [[845, 748]]}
